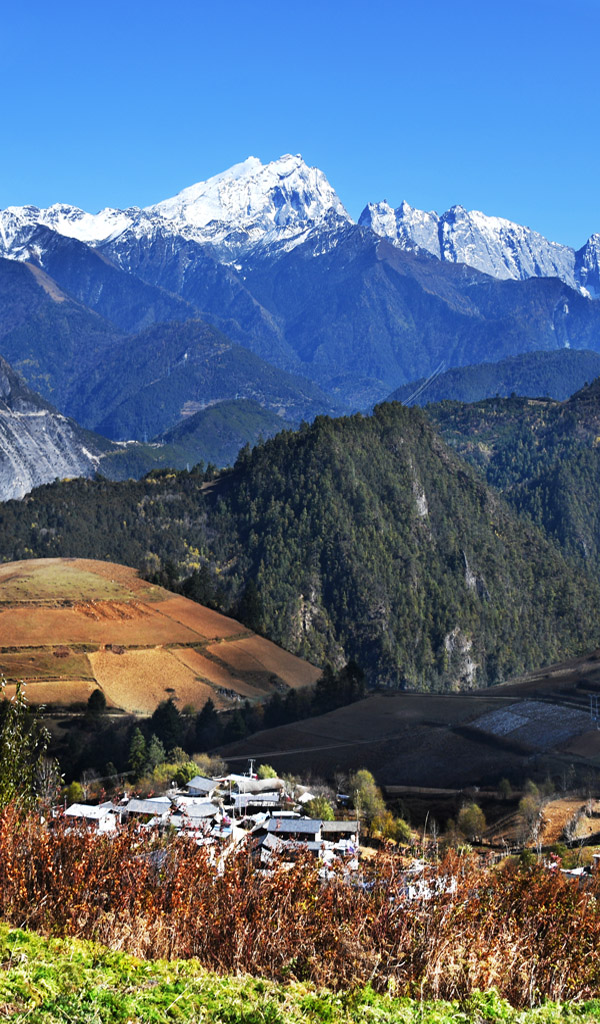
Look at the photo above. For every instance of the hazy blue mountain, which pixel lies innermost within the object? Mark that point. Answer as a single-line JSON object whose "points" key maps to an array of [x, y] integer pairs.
{"points": [[555, 374], [151, 381], [217, 433]]}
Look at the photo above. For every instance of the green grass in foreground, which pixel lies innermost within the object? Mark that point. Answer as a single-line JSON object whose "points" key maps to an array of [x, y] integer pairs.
{"points": [[64, 980]]}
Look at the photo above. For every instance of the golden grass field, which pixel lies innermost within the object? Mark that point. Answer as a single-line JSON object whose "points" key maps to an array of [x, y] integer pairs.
{"points": [[68, 626]]}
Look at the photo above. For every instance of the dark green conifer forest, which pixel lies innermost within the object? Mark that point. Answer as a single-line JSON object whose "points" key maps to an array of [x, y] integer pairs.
{"points": [[361, 538]]}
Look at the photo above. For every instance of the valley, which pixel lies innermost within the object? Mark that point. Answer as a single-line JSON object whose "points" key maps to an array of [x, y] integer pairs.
{"points": [[189, 389], [299, 514]]}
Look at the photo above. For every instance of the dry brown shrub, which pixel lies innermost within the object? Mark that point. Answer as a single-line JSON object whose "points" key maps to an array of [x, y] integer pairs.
{"points": [[528, 932]]}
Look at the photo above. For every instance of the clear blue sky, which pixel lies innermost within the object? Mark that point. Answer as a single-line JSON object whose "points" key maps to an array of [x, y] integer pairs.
{"points": [[491, 105]]}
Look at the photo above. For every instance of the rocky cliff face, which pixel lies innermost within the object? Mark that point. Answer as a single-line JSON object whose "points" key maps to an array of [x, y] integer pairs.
{"points": [[491, 244], [37, 444]]}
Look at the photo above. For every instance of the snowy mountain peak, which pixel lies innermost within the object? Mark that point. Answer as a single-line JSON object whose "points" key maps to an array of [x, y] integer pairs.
{"points": [[493, 245], [405, 227], [253, 209], [251, 204], [587, 262], [279, 201]]}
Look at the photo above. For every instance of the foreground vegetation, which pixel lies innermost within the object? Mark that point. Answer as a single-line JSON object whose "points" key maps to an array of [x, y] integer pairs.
{"points": [[527, 932], [65, 980]]}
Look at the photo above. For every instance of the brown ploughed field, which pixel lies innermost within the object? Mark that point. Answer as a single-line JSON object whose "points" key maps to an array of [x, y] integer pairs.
{"points": [[69, 626]]}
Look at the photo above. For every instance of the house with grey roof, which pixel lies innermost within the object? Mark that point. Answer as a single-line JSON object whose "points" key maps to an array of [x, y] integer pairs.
{"points": [[156, 809], [99, 817], [307, 830], [201, 786]]}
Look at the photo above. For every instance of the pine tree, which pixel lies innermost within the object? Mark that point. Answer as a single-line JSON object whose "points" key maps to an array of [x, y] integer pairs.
{"points": [[156, 752], [138, 754]]}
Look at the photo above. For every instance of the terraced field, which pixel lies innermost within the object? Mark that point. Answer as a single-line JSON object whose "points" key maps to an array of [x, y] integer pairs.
{"points": [[411, 740], [69, 626]]}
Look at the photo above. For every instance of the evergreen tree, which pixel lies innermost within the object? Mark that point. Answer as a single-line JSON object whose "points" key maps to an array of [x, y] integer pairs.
{"points": [[138, 754], [207, 731], [23, 744], [156, 752], [96, 703], [168, 725], [236, 728]]}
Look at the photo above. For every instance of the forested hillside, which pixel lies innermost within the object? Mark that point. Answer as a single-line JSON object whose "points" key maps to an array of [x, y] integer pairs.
{"points": [[543, 455], [363, 538]]}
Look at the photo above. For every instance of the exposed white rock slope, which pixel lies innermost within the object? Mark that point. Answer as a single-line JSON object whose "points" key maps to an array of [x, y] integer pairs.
{"points": [[37, 444], [491, 244]]}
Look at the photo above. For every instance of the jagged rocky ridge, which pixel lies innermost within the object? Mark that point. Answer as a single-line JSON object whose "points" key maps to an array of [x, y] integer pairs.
{"points": [[493, 245]]}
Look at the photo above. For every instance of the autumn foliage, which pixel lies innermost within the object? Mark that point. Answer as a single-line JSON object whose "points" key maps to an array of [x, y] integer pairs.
{"points": [[528, 932]]}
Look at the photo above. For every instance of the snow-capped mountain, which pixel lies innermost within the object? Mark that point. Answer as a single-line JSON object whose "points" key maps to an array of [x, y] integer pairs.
{"points": [[251, 204], [256, 209], [587, 265], [491, 244]]}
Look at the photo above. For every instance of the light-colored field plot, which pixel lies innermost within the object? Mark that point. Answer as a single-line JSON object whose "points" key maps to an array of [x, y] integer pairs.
{"points": [[206, 623], [59, 692], [219, 676], [138, 681], [534, 724], [258, 659], [45, 579], [43, 663], [126, 577]]}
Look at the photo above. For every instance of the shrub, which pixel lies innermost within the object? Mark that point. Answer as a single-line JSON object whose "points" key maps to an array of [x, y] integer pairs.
{"points": [[319, 807], [471, 821]]}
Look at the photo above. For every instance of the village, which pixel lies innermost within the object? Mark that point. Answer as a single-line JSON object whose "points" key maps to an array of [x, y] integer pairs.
{"points": [[267, 817], [230, 812]]}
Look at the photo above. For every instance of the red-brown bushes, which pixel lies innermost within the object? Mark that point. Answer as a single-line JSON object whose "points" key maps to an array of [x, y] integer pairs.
{"points": [[527, 932]]}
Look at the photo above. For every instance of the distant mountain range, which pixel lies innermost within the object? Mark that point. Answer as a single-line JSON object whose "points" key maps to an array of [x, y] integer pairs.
{"points": [[491, 244], [555, 374], [253, 208], [38, 444], [257, 286]]}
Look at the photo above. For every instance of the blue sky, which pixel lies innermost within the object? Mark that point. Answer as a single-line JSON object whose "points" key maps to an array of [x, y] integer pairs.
{"points": [[490, 105]]}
